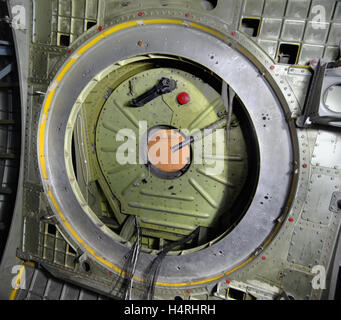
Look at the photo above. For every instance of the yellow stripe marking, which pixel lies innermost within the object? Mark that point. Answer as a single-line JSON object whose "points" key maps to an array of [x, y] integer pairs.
{"points": [[90, 44], [170, 21], [65, 69], [42, 133], [119, 27], [42, 128]]}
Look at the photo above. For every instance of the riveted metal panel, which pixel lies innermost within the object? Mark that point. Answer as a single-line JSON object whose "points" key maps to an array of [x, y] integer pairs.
{"points": [[320, 190], [305, 249], [297, 284], [327, 150]]}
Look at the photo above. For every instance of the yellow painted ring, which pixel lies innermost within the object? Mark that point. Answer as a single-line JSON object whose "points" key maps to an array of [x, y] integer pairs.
{"points": [[42, 127]]}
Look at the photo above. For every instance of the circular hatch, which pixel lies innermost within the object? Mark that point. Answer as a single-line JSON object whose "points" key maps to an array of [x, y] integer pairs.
{"points": [[96, 197]]}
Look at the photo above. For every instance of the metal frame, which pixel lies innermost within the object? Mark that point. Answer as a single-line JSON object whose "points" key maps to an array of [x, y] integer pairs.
{"points": [[315, 111]]}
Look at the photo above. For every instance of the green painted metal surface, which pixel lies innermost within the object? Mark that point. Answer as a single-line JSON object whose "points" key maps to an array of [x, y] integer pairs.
{"points": [[167, 208]]}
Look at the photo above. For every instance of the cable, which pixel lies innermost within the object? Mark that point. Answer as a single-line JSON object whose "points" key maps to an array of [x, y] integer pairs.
{"points": [[157, 262], [228, 96], [133, 262]]}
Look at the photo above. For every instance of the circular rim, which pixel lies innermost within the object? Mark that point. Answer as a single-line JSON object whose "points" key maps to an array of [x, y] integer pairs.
{"points": [[259, 221]]}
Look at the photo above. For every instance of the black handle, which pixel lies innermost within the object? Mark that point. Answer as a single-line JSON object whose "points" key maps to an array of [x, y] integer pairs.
{"points": [[165, 85]]}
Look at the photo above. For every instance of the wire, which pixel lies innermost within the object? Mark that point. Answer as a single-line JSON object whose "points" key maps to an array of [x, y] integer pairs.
{"points": [[133, 262], [81, 145], [157, 262], [228, 96]]}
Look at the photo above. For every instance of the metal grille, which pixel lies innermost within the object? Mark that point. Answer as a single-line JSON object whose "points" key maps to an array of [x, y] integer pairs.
{"points": [[314, 26], [69, 19]]}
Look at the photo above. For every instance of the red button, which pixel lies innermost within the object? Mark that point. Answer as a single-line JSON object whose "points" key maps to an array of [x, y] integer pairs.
{"points": [[183, 98]]}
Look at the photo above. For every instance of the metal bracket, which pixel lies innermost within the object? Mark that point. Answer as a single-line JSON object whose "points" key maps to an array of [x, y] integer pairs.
{"points": [[315, 111], [335, 203], [6, 70], [5, 50], [165, 85]]}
